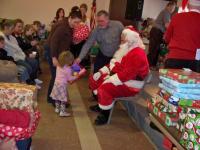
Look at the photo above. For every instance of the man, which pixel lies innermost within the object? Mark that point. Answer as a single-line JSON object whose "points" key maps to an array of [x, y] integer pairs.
{"points": [[156, 33], [183, 37], [60, 40], [123, 76], [25, 46], [107, 35]]}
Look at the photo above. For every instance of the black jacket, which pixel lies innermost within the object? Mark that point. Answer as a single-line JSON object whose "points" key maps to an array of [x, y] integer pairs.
{"points": [[4, 56]]}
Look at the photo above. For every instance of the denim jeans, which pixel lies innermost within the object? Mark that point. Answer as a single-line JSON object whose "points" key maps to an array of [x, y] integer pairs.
{"points": [[53, 73], [24, 144], [23, 72], [33, 63]]}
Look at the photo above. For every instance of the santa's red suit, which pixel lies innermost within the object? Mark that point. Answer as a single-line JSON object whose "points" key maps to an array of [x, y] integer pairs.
{"points": [[124, 76]]}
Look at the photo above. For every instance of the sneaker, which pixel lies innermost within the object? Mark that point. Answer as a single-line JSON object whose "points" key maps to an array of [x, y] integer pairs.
{"points": [[64, 114], [37, 81], [57, 110], [38, 87]]}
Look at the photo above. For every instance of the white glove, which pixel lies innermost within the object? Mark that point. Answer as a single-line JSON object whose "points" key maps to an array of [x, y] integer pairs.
{"points": [[107, 81], [96, 76], [114, 80]]}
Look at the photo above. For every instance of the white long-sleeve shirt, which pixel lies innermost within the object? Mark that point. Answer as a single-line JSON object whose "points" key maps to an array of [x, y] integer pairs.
{"points": [[12, 47]]}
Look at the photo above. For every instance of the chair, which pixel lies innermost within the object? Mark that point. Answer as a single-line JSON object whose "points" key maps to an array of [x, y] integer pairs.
{"points": [[129, 99]]}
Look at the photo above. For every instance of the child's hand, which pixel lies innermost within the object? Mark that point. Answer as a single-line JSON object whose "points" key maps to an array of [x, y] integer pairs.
{"points": [[31, 55], [34, 43], [55, 61], [72, 81]]}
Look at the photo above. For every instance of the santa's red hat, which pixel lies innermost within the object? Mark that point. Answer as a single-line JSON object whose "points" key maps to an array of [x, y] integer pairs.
{"points": [[184, 4], [133, 37], [194, 2]]}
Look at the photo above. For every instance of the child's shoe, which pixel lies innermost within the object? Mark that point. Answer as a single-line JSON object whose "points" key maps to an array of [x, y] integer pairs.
{"points": [[64, 114], [57, 107], [57, 110]]}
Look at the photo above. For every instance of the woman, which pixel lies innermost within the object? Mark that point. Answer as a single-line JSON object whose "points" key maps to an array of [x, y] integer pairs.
{"points": [[60, 15], [81, 32], [61, 32], [85, 19]]}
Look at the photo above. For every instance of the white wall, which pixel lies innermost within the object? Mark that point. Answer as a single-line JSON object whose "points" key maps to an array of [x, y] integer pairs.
{"points": [[153, 7], [43, 10]]}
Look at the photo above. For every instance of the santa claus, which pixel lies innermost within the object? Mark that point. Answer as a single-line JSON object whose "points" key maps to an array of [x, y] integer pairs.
{"points": [[123, 77]]}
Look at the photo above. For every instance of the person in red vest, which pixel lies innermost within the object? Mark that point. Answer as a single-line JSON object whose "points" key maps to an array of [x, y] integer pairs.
{"points": [[183, 38]]}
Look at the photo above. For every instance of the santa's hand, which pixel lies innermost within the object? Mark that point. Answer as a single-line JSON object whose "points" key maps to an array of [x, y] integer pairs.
{"points": [[106, 81], [96, 76], [114, 80]]}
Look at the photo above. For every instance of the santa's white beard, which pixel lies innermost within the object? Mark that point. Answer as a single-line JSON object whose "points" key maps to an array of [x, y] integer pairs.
{"points": [[119, 54], [123, 50], [124, 46]]}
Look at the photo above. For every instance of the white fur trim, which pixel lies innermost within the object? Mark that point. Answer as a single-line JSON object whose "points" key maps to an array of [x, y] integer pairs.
{"points": [[95, 92], [194, 2], [135, 84], [105, 70], [106, 107], [114, 79], [133, 38], [112, 63], [96, 76]]}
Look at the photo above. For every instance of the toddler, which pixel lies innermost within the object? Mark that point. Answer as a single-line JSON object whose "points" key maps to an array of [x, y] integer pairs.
{"points": [[63, 77]]}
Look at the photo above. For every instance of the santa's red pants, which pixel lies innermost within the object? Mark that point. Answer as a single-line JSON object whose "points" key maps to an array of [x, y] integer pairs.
{"points": [[108, 92]]}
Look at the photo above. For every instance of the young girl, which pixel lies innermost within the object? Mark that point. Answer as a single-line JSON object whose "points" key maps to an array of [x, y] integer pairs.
{"points": [[63, 76]]}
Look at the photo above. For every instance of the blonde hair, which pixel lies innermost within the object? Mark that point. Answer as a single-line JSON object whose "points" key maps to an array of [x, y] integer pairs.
{"points": [[65, 58]]}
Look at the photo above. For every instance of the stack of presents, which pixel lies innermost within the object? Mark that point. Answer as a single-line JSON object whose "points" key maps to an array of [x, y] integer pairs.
{"points": [[177, 104], [19, 115]]}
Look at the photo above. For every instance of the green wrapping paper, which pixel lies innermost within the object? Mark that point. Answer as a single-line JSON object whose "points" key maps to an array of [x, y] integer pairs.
{"points": [[161, 111], [186, 77], [191, 134]]}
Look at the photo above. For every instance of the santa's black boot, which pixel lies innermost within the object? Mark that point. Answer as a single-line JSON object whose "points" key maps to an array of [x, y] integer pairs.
{"points": [[95, 108], [102, 119]]}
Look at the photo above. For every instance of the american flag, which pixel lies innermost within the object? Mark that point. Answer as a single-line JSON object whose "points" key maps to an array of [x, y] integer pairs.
{"points": [[93, 15]]}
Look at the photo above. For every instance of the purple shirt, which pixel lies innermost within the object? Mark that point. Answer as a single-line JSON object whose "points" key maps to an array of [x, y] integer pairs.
{"points": [[63, 75]]}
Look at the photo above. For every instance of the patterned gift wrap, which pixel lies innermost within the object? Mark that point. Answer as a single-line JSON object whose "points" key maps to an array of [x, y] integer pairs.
{"points": [[191, 135], [178, 101], [18, 96], [161, 111], [171, 107], [186, 77], [189, 103], [18, 133]]}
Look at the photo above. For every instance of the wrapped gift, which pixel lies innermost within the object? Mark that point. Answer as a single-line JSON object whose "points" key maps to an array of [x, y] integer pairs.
{"points": [[189, 103], [18, 96], [181, 121], [191, 136], [78, 70], [171, 107], [180, 75], [179, 95], [178, 101], [161, 111], [181, 87], [19, 133]]}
